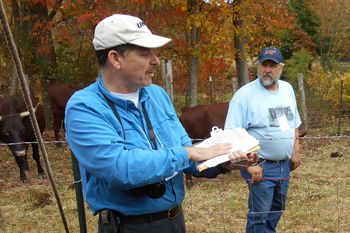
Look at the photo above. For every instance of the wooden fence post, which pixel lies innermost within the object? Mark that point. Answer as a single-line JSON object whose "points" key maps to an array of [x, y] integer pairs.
{"points": [[211, 88], [303, 100], [167, 76], [340, 105]]}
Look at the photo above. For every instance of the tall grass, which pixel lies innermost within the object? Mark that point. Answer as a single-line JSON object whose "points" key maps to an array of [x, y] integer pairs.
{"points": [[318, 201]]}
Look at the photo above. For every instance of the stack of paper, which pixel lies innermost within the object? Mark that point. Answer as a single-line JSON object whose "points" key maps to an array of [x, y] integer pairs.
{"points": [[239, 138]]}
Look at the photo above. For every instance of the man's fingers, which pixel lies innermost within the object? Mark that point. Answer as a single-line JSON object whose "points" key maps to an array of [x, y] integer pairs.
{"points": [[255, 173], [253, 157], [295, 164], [238, 156], [222, 148], [256, 178]]}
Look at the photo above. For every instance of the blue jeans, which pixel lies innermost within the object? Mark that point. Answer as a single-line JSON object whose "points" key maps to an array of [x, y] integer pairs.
{"points": [[267, 199]]}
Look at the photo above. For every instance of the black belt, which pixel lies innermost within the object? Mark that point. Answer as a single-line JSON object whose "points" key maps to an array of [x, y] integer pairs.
{"points": [[270, 161], [169, 214]]}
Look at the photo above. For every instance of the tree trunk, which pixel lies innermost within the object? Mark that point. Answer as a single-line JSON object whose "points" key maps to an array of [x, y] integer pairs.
{"points": [[238, 40], [39, 56], [193, 82], [193, 59], [37, 14], [16, 32]]}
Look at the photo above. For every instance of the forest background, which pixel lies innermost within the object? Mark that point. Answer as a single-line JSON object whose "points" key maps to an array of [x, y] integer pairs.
{"points": [[210, 38], [218, 39]]}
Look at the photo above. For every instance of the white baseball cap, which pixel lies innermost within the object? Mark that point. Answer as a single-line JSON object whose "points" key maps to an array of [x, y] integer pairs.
{"points": [[121, 29]]}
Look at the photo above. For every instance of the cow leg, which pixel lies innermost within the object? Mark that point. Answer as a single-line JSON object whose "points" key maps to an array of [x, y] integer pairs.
{"points": [[36, 157], [25, 162], [21, 165], [189, 181], [57, 123]]}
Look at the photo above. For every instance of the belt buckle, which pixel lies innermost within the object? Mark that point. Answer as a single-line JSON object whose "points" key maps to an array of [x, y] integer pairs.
{"points": [[173, 212]]}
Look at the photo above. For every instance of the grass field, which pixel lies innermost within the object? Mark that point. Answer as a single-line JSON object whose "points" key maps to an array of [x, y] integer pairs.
{"points": [[318, 201]]}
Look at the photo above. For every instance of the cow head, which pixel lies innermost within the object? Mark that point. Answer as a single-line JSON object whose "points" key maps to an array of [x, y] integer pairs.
{"points": [[13, 131]]}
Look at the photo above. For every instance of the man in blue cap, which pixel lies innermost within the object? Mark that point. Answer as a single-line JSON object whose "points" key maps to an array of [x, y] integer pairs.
{"points": [[267, 108]]}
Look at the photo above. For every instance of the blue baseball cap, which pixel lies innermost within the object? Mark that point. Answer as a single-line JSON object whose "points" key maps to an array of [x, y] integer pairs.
{"points": [[270, 53]]}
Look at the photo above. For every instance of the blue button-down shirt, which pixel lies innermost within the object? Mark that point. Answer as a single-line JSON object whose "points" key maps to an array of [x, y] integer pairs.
{"points": [[116, 158]]}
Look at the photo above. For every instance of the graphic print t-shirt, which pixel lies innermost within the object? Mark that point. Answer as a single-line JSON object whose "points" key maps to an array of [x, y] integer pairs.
{"points": [[257, 109]]}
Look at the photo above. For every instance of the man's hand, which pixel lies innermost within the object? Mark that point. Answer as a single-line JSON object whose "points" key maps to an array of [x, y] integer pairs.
{"points": [[296, 160], [256, 173], [236, 157], [252, 158], [201, 154], [296, 157]]}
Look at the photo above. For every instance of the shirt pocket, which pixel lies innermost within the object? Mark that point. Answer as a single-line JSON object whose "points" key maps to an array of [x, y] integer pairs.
{"points": [[168, 131]]}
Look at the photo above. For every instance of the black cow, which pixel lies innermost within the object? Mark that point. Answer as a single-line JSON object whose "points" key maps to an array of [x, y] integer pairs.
{"points": [[16, 128], [59, 95]]}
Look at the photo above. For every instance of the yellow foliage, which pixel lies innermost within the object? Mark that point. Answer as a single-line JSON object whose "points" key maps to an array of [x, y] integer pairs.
{"points": [[328, 85]]}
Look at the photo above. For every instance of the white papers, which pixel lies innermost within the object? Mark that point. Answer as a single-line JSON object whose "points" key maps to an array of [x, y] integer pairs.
{"points": [[239, 139]]}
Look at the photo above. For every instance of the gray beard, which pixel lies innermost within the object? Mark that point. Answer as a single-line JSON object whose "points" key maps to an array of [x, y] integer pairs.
{"points": [[268, 82]]}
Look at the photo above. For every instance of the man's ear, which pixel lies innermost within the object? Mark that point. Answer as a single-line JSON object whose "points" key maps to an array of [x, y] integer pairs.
{"points": [[114, 58]]}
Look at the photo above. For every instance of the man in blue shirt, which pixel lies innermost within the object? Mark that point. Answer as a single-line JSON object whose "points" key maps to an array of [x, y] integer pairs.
{"points": [[125, 133], [267, 108]]}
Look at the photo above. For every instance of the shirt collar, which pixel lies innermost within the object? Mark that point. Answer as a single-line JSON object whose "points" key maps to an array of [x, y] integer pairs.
{"points": [[144, 95]]}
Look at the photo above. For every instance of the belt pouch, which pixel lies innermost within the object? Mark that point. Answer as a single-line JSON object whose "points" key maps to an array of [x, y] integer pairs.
{"points": [[108, 223]]}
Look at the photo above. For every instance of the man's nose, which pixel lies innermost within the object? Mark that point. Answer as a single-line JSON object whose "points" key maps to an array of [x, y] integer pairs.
{"points": [[155, 59], [268, 69]]}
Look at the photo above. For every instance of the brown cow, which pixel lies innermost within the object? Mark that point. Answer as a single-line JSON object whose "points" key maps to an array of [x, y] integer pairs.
{"points": [[16, 128], [198, 122], [59, 95]]}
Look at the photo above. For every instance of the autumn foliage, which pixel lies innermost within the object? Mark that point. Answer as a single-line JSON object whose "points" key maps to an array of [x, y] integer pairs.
{"points": [[55, 37], [330, 85]]}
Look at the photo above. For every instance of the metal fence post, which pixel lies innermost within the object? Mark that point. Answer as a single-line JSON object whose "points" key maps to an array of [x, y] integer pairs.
{"points": [[79, 195]]}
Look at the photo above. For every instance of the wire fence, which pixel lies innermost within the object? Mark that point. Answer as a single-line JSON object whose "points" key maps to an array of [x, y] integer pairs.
{"points": [[318, 199]]}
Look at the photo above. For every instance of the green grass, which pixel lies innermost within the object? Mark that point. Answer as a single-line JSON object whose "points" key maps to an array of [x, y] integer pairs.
{"points": [[318, 201]]}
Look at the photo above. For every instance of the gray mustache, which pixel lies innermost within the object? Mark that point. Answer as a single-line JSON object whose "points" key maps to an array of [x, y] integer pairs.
{"points": [[267, 76]]}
